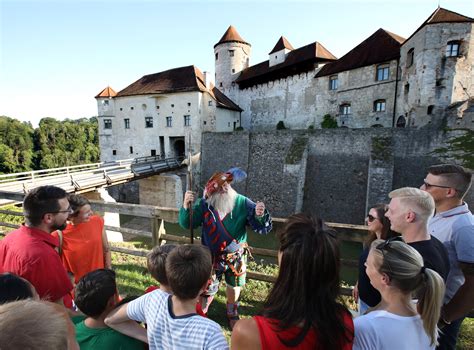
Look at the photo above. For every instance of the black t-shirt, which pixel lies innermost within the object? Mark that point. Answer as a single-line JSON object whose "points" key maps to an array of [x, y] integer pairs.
{"points": [[367, 292], [434, 255]]}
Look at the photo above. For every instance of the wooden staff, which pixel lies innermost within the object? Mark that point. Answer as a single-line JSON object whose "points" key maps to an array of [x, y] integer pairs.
{"points": [[190, 188]]}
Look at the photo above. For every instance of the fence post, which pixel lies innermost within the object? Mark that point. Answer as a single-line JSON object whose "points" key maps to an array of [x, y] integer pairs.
{"points": [[155, 230]]}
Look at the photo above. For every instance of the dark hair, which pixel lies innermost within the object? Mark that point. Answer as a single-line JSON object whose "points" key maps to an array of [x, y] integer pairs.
{"points": [[307, 285], [188, 268], [40, 201], [387, 232], [94, 290], [126, 300], [455, 176], [13, 287], [77, 202], [156, 261]]}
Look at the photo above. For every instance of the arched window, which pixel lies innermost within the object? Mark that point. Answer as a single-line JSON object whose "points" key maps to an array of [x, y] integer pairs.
{"points": [[401, 122], [345, 109]]}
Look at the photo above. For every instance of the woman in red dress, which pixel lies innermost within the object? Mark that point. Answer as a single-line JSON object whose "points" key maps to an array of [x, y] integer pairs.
{"points": [[301, 310]]}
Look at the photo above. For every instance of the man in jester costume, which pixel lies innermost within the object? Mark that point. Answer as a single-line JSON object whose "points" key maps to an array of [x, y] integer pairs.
{"points": [[224, 215]]}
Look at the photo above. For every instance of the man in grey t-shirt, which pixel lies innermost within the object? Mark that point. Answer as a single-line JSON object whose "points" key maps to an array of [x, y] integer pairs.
{"points": [[453, 224]]}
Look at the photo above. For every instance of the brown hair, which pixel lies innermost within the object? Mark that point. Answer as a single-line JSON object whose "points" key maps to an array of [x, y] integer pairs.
{"points": [[30, 324], [188, 268], [454, 176], [387, 232], [76, 202], [156, 262]]}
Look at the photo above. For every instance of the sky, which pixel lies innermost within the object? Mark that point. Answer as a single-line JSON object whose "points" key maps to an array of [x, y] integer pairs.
{"points": [[55, 56]]}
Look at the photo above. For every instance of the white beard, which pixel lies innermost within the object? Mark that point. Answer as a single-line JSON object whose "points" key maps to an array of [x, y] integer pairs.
{"points": [[223, 202]]}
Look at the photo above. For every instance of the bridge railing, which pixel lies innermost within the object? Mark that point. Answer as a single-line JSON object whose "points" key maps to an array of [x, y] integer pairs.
{"points": [[39, 174], [156, 215]]}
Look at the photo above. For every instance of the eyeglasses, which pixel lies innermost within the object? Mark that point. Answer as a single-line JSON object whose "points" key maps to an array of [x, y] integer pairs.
{"points": [[371, 218], [68, 210], [428, 185], [386, 246]]}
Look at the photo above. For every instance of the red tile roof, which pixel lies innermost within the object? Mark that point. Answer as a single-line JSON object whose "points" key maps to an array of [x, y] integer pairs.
{"points": [[183, 79], [282, 44], [231, 35], [298, 61], [180, 79], [441, 15], [107, 92], [382, 46]]}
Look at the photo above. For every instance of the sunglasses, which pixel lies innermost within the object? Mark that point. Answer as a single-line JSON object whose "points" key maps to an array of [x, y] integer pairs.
{"points": [[385, 246], [428, 185], [371, 218]]}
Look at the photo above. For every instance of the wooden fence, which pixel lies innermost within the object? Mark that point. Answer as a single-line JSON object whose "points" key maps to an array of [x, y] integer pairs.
{"points": [[156, 215]]}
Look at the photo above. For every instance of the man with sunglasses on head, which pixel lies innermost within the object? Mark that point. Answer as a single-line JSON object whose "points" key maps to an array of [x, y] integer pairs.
{"points": [[453, 224], [409, 211], [30, 250]]}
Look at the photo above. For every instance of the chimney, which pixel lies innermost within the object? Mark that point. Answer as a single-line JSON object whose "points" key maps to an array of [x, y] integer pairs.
{"points": [[208, 79]]}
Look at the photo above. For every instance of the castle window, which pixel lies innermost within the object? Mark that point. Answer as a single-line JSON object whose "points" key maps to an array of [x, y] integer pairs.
{"points": [[121, 108], [157, 107], [452, 49], [148, 122], [333, 82], [131, 149], [114, 152], [105, 102], [187, 120], [430, 109], [379, 106], [233, 70], [169, 122], [345, 109], [127, 123], [172, 105], [410, 57], [383, 72], [107, 123], [189, 104], [220, 84], [153, 152], [217, 56], [231, 53], [209, 103]]}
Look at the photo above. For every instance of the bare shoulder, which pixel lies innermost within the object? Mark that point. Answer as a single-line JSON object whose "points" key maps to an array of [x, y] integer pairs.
{"points": [[245, 335]]}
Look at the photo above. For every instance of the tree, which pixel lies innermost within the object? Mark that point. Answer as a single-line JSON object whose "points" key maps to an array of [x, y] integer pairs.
{"points": [[328, 122]]}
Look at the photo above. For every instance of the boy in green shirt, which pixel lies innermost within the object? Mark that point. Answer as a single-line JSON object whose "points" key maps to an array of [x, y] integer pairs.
{"points": [[96, 295]]}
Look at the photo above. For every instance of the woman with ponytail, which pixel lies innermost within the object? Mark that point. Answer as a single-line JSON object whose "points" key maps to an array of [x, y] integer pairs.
{"points": [[397, 270], [302, 310]]}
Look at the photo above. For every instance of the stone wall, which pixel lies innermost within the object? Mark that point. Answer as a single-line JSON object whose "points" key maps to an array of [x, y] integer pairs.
{"points": [[332, 173]]}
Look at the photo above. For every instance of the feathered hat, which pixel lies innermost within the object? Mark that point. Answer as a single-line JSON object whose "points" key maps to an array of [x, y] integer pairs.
{"points": [[217, 180]]}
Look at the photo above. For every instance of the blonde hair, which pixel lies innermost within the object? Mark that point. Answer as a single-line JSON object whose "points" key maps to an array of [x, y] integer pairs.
{"points": [[405, 267], [422, 202], [30, 324]]}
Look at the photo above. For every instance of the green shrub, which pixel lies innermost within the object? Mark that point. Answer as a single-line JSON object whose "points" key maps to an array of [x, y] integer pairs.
{"points": [[328, 122]]}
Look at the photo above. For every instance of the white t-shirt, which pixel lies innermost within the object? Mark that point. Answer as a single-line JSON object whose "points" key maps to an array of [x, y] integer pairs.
{"points": [[167, 331], [383, 330]]}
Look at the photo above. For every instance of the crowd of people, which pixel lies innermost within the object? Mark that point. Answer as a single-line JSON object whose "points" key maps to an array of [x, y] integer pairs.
{"points": [[415, 283]]}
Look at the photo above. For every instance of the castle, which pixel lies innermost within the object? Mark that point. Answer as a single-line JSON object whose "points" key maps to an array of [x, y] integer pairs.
{"points": [[385, 81]]}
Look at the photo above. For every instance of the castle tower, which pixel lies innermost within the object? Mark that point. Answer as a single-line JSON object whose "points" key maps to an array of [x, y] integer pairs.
{"points": [[232, 55]]}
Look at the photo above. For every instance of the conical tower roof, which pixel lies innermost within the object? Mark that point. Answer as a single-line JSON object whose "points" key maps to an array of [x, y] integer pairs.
{"points": [[231, 35], [281, 44], [107, 92]]}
